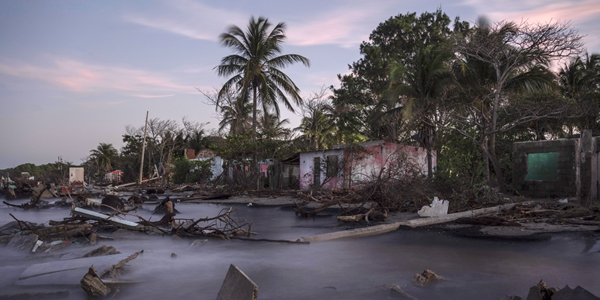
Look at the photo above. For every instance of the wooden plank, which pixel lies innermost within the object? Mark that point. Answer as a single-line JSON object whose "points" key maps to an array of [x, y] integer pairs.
{"points": [[98, 216]]}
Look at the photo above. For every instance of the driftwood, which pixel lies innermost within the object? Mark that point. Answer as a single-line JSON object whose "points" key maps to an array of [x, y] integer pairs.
{"points": [[104, 250], [384, 228], [93, 285], [115, 270]]}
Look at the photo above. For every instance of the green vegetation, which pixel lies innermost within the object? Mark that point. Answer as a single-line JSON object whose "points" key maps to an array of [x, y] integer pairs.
{"points": [[466, 91]]}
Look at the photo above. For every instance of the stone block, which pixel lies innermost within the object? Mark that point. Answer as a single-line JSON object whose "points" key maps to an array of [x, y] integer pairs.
{"points": [[237, 286]]}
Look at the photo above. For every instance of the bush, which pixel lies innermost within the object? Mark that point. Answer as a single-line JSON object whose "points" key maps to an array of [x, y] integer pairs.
{"points": [[198, 171]]}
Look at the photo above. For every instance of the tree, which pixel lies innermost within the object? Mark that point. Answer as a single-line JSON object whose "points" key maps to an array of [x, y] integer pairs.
{"points": [[318, 126], [518, 53], [579, 80], [360, 98], [234, 112], [104, 155], [256, 67], [419, 83]]}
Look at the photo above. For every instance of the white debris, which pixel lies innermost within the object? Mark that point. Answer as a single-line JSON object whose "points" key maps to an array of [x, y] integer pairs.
{"points": [[37, 245], [436, 208], [563, 201]]}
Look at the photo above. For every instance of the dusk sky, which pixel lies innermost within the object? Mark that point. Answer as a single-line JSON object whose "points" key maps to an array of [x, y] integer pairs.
{"points": [[73, 74]]}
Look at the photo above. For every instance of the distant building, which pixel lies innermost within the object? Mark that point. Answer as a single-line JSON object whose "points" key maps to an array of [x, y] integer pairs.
{"points": [[76, 177], [115, 176], [207, 154]]}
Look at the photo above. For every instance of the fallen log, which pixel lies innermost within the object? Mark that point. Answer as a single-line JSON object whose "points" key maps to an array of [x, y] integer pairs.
{"points": [[357, 217], [115, 270], [451, 217], [385, 228]]}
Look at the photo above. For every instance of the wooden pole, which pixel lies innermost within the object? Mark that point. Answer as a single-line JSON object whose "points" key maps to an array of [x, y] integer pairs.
{"points": [[143, 149]]}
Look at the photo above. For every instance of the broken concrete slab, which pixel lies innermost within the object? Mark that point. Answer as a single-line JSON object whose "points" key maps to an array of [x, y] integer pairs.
{"points": [[237, 286], [435, 209], [66, 272]]}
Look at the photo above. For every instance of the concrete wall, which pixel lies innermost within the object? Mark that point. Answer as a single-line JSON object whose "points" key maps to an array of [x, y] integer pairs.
{"points": [[307, 168], [366, 166], [362, 165], [567, 182]]}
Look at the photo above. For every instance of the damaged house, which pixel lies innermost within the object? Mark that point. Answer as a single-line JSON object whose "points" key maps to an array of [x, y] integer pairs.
{"points": [[347, 166], [558, 168], [207, 154]]}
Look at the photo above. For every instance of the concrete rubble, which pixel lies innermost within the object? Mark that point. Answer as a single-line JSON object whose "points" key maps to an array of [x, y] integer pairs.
{"points": [[437, 208]]}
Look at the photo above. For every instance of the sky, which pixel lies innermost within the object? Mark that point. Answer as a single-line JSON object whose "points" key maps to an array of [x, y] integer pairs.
{"points": [[74, 74]]}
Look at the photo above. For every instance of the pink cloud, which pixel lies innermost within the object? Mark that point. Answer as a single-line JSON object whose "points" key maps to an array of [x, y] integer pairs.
{"points": [[81, 77]]}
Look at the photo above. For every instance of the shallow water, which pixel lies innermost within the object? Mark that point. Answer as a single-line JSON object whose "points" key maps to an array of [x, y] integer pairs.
{"points": [[339, 269]]}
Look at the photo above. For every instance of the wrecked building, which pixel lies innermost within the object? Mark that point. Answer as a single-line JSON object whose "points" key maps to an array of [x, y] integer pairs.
{"points": [[558, 168], [347, 166], [207, 154], [290, 174]]}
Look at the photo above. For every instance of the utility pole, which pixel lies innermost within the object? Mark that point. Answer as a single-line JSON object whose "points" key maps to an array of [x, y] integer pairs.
{"points": [[143, 149]]}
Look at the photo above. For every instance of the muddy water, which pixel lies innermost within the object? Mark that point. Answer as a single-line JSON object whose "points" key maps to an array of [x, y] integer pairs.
{"points": [[340, 269]]}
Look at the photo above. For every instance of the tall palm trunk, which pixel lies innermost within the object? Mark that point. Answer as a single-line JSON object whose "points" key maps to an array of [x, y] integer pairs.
{"points": [[255, 169]]}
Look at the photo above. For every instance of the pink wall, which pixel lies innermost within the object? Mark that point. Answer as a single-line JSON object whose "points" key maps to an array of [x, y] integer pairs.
{"points": [[363, 166]]}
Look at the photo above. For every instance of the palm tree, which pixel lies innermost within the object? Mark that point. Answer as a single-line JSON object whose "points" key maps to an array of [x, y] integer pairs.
{"points": [[256, 67], [273, 127], [417, 87], [104, 155], [317, 125], [235, 115], [580, 80]]}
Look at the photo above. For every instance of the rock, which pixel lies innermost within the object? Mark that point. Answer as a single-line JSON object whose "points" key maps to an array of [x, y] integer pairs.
{"points": [[237, 286], [397, 293], [578, 293], [425, 278]]}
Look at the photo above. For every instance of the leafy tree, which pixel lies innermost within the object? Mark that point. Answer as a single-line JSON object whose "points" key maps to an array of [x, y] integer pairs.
{"points": [[360, 102], [318, 125], [416, 87], [579, 80], [105, 155], [187, 171], [518, 54], [256, 67]]}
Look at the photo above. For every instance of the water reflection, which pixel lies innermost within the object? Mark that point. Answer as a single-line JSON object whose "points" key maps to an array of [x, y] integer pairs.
{"points": [[339, 269]]}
